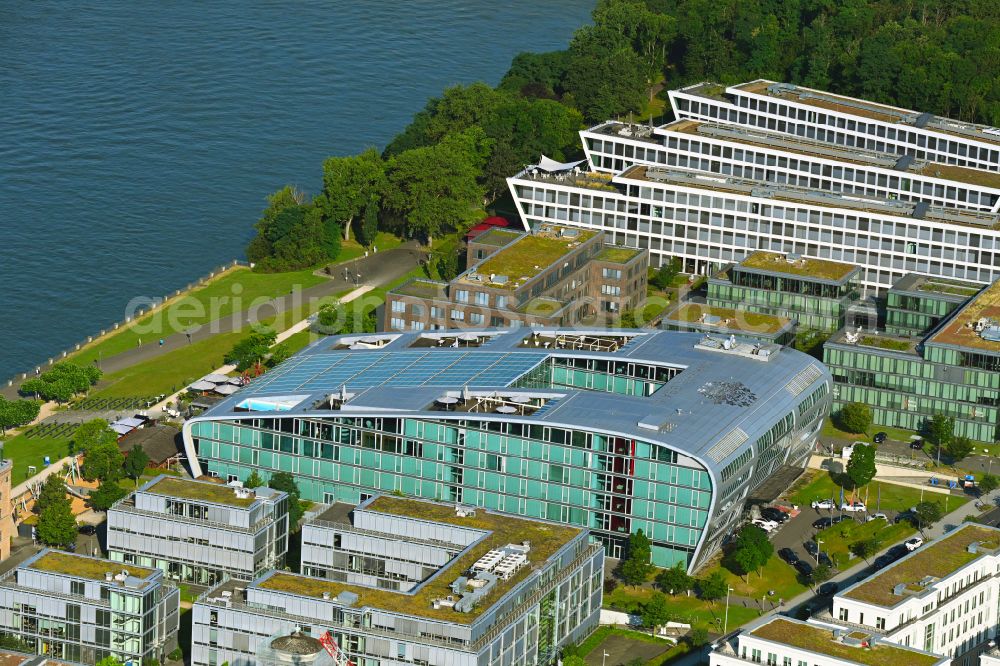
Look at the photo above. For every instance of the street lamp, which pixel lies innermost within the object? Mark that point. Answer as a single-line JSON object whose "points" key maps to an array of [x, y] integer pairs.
{"points": [[725, 629], [819, 542], [604, 658]]}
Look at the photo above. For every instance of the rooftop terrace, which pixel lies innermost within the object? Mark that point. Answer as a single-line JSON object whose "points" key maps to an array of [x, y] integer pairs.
{"points": [[960, 330], [201, 491], [526, 258], [497, 237], [954, 290], [750, 322], [822, 641], [546, 539], [799, 266], [422, 289], [936, 560], [93, 568]]}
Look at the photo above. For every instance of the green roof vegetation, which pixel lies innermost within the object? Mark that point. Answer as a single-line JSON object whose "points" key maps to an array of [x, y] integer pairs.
{"points": [[804, 267], [85, 567], [203, 491], [961, 174], [952, 288], [885, 343], [960, 331], [530, 256], [497, 236], [541, 306], [546, 539], [817, 639], [422, 289], [937, 559], [617, 255], [753, 322]]}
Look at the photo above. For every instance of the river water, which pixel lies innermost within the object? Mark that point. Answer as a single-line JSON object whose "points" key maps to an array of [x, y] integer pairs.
{"points": [[138, 140]]}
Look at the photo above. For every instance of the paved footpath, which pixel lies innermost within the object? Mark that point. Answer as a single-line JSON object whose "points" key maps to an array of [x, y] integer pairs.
{"points": [[377, 269]]}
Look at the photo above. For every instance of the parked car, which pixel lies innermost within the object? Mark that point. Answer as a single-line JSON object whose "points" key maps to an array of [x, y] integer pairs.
{"points": [[823, 504], [772, 513], [825, 559], [766, 525], [788, 555], [917, 445], [88, 530], [810, 547], [804, 568], [905, 516], [880, 437], [828, 589], [876, 516], [839, 519], [913, 544], [883, 561], [897, 551], [823, 522], [856, 506]]}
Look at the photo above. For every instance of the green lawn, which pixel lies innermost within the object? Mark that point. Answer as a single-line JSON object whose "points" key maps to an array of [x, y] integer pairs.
{"points": [[691, 609], [881, 496], [235, 291], [25, 452], [352, 249], [838, 539], [169, 372]]}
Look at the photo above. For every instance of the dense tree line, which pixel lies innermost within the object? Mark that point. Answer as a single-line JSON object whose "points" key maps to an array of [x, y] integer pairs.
{"points": [[941, 56], [61, 382]]}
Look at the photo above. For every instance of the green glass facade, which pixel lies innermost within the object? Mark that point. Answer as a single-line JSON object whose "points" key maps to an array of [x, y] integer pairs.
{"points": [[916, 304], [614, 486], [905, 389], [813, 303]]}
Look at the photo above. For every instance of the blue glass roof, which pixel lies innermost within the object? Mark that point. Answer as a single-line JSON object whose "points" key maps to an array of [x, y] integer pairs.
{"points": [[366, 369]]}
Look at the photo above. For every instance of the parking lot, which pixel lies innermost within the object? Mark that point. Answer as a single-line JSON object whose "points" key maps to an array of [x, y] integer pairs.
{"points": [[799, 530]]}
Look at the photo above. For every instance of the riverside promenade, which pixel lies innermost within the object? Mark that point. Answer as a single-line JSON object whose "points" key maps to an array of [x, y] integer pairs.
{"points": [[376, 269]]}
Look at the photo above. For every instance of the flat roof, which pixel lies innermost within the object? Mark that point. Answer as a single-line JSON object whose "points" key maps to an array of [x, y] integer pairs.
{"points": [[422, 288], [798, 266], [750, 322], [82, 566], [398, 380], [766, 139], [937, 560], [956, 291], [822, 640], [528, 256], [618, 255], [959, 330], [203, 491], [497, 236], [545, 538]]}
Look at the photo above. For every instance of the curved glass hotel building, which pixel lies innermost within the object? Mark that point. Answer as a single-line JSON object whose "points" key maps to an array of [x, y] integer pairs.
{"points": [[616, 431]]}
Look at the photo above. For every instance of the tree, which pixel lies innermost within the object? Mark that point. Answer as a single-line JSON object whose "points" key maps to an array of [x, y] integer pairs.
{"points": [[663, 278], [751, 551], [713, 587], [286, 482], [15, 413], [53, 491], [92, 434], [279, 354], [988, 483], [698, 636], [574, 660], [61, 382], [675, 580], [958, 448], [635, 567], [656, 611], [106, 495], [927, 513], [56, 524], [821, 574], [368, 228], [253, 481], [103, 460], [447, 264], [941, 430], [135, 463], [349, 184], [252, 349], [436, 187], [861, 466], [855, 417], [865, 548], [109, 661]]}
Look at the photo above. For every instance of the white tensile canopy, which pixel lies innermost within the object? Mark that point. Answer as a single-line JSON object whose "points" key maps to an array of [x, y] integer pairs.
{"points": [[550, 165]]}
